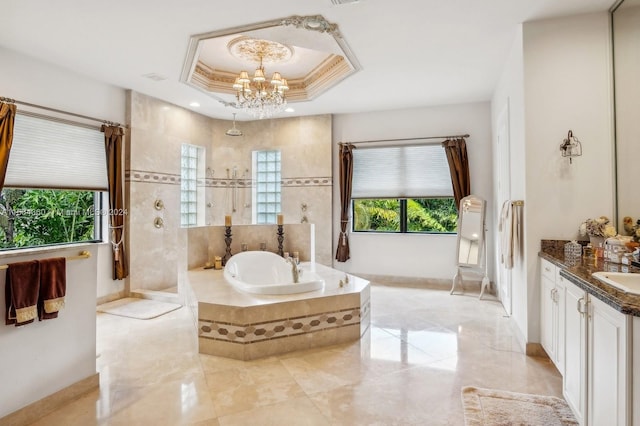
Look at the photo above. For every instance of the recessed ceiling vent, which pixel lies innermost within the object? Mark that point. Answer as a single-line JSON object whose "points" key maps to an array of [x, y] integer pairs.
{"points": [[344, 1]]}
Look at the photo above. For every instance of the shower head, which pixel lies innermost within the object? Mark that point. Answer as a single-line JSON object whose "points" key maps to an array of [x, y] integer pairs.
{"points": [[234, 131]]}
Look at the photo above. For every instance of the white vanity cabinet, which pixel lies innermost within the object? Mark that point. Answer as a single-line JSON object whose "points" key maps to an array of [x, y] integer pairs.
{"points": [[552, 313], [608, 361], [575, 337], [597, 359]]}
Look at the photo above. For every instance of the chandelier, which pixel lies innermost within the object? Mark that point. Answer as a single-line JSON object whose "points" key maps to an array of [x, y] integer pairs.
{"points": [[258, 96]]}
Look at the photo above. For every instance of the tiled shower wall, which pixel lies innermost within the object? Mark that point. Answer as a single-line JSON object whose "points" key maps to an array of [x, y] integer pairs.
{"points": [[158, 129]]}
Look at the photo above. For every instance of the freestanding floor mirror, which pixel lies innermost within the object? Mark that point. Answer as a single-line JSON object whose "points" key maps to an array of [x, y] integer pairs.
{"points": [[471, 254]]}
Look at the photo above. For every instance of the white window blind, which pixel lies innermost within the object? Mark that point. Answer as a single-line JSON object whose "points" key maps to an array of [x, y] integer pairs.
{"points": [[48, 154], [415, 171]]}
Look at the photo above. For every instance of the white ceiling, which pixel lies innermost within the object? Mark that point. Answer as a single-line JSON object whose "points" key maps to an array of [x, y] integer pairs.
{"points": [[412, 52]]}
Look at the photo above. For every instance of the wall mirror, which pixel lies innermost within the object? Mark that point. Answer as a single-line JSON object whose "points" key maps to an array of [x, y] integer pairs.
{"points": [[471, 240], [626, 59]]}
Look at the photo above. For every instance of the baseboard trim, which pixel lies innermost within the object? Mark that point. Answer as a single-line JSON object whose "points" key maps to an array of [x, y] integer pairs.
{"points": [[535, 349], [47, 405], [111, 297]]}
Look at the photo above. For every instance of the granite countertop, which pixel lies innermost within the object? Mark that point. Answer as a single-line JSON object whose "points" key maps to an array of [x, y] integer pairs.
{"points": [[579, 272]]}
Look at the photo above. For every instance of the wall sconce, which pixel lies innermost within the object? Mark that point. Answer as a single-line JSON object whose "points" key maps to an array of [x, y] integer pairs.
{"points": [[571, 147]]}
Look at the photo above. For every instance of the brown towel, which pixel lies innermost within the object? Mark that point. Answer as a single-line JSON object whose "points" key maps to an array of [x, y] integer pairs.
{"points": [[21, 292], [53, 287]]}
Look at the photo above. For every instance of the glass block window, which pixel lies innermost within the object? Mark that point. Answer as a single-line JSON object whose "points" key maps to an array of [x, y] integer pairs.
{"points": [[191, 157], [267, 186]]}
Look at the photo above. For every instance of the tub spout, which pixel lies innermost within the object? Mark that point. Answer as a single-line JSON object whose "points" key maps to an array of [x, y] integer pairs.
{"points": [[295, 273]]}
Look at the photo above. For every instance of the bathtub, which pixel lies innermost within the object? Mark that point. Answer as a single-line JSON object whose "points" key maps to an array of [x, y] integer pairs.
{"points": [[263, 272]]}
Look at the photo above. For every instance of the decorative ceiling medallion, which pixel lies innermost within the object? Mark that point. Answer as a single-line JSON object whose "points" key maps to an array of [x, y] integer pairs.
{"points": [[256, 50], [312, 23]]}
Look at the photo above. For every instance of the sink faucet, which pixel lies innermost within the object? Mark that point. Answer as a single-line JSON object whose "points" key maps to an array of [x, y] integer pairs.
{"points": [[295, 273]]}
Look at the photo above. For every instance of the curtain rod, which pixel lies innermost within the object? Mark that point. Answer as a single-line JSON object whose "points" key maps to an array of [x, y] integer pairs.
{"points": [[407, 139], [86, 117]]}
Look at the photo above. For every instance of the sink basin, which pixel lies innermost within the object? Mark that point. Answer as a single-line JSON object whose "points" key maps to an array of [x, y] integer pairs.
{"points": [[629, 283]]}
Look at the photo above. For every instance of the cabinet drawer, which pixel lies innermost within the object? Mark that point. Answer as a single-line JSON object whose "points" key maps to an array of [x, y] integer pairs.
{"points": [[548, 270]]}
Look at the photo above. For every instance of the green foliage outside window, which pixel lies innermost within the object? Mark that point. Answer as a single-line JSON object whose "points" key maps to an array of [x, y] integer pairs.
{"points": [[422, 215], [37, 217]]}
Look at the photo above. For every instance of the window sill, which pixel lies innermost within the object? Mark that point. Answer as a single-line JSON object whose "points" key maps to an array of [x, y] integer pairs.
{"points": [[436, 234]]}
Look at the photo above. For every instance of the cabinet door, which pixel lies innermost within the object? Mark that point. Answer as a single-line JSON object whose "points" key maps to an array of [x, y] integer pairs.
{"points": [[560, 328], [546, 316], [575, 368], [608, 357]]}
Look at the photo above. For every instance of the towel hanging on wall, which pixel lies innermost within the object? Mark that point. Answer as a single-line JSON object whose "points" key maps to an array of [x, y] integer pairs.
{"points": [[22, 289], [510, 228], [53, 287]]}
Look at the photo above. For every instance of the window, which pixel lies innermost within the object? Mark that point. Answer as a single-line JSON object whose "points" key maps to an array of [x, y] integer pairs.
{"points": [[191, 192], [402, 189], [267, 188], [53, 185]]}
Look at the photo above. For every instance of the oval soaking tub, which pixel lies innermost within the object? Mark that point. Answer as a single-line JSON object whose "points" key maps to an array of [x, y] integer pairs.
{"points": [[263, 272]]}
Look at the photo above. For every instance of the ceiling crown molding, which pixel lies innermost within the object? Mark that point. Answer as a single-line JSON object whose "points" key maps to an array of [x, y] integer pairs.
{"points": [[324, 72]]}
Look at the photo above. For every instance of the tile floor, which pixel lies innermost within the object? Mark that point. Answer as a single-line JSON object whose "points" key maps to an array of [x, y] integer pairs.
{"points": [[422, 348]]}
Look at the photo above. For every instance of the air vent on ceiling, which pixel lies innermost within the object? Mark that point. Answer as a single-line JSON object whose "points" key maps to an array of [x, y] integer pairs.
{"points": [[344, 1], [154, 76]]}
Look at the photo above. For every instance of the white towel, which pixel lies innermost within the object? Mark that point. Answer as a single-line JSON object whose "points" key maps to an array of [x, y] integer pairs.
{"points": [[510, 228]]}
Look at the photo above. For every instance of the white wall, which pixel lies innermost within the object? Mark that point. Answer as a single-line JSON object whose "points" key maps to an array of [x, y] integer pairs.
{"points": [[567, 76], [39, 359], [44, 357], [565, 71], [424, 256], [509, 94], [29, 80]]}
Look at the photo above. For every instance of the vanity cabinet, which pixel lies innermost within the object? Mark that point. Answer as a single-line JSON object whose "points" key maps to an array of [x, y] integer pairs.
{"points": [[597, 358], [552, 307]]}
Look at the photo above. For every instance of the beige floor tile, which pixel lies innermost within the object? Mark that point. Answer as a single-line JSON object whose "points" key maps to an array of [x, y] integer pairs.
{"points": [[422, 347], [298, 411], [242, 389]]}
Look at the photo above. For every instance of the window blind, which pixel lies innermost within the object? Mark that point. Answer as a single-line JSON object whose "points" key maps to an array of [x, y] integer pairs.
{"points": [[416, 171], [52, 155]]}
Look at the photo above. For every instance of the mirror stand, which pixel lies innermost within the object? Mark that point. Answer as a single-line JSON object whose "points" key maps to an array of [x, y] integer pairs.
{"points": [[457, 278], [472, 243]]}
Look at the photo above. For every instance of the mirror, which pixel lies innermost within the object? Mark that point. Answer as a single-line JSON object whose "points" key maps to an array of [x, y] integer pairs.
{"points": [[471, 231], [626, 59]]}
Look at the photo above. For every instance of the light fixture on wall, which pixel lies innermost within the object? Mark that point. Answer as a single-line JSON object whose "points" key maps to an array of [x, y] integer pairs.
{"points": [[571, 147], [259, 97], [234, 131]]}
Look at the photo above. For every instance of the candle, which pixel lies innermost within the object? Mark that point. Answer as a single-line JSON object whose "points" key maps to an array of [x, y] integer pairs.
{"points": [[227, 220], [280, 219]]}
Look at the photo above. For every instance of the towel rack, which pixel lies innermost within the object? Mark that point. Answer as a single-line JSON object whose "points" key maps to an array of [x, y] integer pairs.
{"points": [[517, 203], [83, 255]]}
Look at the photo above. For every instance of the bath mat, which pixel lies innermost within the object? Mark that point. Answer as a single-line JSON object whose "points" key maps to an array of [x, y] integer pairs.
{"points": [[496, 407], [137, 308]]}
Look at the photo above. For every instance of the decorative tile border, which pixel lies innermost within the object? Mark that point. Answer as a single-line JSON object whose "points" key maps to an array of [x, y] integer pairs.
{"points": [[307, 181], [174, 179], [151, 177], [280, 328]]}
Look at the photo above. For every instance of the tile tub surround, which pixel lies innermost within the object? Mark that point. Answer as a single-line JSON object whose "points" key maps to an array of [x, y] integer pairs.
{"points": [[579, 272], [247, 326]]}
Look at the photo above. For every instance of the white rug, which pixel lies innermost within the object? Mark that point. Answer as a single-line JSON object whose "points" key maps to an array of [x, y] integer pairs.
{"points": [[137, 308], [495, 407]]}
